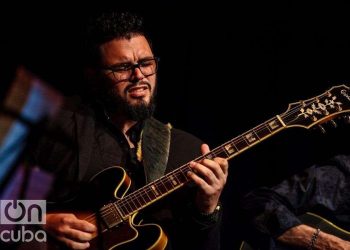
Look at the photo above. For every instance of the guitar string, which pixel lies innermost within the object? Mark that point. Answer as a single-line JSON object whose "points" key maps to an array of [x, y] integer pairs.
{"points": [[263, 126], [311, 101], [139, 193], [92, 217], [104, 211], [133, 196]]}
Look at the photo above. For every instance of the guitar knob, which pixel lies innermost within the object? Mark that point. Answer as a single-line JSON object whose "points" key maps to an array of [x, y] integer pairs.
{"points": [[322, 129], [346, 119], [334, 124]]}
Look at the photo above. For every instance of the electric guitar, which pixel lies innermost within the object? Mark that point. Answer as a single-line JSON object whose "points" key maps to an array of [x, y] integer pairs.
{"points": [[116, 220], [315, 221]]}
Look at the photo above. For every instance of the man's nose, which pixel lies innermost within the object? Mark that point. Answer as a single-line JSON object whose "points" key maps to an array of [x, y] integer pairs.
{"points": [[137, 74]]}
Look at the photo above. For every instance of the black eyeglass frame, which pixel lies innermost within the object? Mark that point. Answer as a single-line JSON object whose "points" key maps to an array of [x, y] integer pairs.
{"points": [[132, 67]]}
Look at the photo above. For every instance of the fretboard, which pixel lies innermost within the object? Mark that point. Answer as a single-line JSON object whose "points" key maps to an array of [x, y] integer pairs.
{"points": [[177, 178]]}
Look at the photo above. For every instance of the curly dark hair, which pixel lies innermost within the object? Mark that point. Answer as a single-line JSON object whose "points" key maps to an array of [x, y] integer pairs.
{"points": [[108, 26]]}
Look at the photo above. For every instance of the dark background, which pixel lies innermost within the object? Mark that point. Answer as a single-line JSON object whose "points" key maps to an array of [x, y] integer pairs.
{"points": [[225, 68]]}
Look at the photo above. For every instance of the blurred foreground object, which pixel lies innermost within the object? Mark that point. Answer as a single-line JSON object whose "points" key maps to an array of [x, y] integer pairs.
{"points": [[27, 103]]}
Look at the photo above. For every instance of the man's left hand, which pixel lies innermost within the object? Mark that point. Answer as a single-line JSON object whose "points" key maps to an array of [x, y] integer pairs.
{"points": [[210, 176]]}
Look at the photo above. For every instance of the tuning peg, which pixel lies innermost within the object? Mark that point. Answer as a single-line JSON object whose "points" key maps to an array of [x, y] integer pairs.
{"points": [[334, 124], [322, 129]]}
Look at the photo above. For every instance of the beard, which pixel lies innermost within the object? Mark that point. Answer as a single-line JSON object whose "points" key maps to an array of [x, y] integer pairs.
{"points": [[135, 112]]}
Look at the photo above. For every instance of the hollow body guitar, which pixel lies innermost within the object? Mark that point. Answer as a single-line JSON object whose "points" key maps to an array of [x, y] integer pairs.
{"points": [[312, 220], [116, 213], [118, 222]]}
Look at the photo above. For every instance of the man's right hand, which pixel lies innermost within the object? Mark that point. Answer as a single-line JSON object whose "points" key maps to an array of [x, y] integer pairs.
{"points": [[70, 230]]}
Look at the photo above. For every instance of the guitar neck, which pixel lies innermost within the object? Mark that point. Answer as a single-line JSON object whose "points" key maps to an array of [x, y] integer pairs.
{"points": [[178, 177], [306, 114]]}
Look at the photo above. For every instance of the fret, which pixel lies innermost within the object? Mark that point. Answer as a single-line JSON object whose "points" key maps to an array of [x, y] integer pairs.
{"points": [[223, 153], [155, 190], [167, 183], [230, 149], [175, 176], [267, 126], [250, 138], [131, 203], [241, 143], [145, 196], [120, 209], [173, 181], [150, 192], [274, 125], [135, 200], [209, 156], [141, 199], [181, 176], [161, 187], [126, 207], [184, 171], [128, 210], [256, 134], [220, 152], [263, 131]]}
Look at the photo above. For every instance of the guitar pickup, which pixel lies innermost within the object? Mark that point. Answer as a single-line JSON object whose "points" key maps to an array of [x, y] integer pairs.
{"points": [[109, 214]]}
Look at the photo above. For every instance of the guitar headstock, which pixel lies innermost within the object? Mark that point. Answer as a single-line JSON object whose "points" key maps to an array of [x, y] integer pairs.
{"points": [[333, 103]]}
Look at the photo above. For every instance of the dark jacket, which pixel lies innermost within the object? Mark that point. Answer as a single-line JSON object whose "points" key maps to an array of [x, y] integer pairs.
{"points": [[321, 189], [81, 142]]}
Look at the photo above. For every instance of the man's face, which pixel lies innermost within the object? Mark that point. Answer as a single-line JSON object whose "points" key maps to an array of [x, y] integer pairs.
{"points": [[135, 92]]}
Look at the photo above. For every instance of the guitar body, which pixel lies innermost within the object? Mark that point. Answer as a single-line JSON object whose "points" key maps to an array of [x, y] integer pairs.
{"points": [[109, 186], [129, 235], [317, 221], [312, 220]]}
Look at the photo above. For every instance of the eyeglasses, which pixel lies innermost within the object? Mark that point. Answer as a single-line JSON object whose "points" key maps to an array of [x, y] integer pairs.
{"points": [[123, 71]]}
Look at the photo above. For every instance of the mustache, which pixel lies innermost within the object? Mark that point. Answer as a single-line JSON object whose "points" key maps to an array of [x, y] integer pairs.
{"points": [[139, 83]]}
